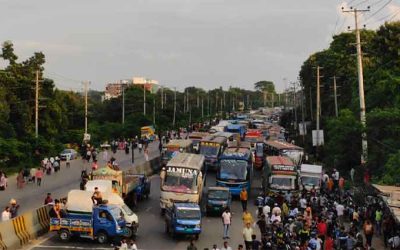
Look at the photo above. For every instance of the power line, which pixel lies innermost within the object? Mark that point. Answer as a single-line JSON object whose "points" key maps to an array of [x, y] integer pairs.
{"points": [[391, 16], [381, 8]]}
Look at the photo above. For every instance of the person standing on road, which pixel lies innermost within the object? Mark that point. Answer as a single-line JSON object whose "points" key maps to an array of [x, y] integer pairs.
{"points": [[243, 198], [247, 236], [6, 215], [146, 153], [14, 208], [226, 246], [3, 181], [226, 221], [20, 179], [133, 151], [368, 229], [48, 199], [39, 176], [247, 217], [191, 246]]}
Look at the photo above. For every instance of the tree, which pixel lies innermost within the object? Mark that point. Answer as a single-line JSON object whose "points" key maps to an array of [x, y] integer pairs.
{"points": [[266, 86]]}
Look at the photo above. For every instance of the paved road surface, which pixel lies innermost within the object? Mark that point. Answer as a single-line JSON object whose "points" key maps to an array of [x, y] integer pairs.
{"points": [[32, 196]]}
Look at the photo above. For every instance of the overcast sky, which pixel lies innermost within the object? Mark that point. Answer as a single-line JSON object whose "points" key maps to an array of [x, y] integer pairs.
{"points": [[206, 43]]}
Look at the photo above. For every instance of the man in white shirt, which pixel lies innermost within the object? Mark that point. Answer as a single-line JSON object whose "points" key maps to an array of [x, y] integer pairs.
{"points": [[226, 221], [226, 246], [303, 203], [276, 210], [6, 215], [340, 212], [247, 233], [266, 211]]}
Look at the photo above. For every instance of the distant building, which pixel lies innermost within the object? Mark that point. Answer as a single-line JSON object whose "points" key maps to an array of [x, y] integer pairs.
{"points": [[114, 90]]}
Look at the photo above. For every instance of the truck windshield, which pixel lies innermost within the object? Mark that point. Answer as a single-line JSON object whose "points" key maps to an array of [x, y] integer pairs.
{"points": [[127, 210], [310, 181], [180, 182], [233, 169], [209, 150], [116, 213], [218, 195], [281, 183], [188, 214]]}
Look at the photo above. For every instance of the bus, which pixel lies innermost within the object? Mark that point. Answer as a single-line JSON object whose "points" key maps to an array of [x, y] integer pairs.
{"points": [[280, 175], [196, 137], [174, 147], [236, 168], [182, 180], [253, 136], [283, 148], [237, 128], [212, 147]]}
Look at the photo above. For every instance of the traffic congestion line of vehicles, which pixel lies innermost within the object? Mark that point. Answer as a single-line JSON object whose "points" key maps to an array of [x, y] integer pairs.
{"points": [[232, 150]]}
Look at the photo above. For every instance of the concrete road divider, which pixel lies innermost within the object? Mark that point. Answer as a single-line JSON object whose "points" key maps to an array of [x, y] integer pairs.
{"points": [[10, 240]]}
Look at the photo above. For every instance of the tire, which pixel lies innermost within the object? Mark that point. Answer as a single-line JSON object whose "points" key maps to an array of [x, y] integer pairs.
{"points": [[102, 237], [64, 234], [128, 232]]}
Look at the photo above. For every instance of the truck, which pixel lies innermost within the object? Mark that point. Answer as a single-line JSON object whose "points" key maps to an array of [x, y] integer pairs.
{"points": [[183, 218], [310, 176], [102, 223], [125, 183], [80, 201], [280, 175], [174, 147]]}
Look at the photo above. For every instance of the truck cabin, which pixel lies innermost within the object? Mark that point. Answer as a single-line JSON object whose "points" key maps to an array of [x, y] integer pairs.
{"points": [[237, 128], [282, 148], [115, 176], [282, 174], [311, 176], [176, 146]]}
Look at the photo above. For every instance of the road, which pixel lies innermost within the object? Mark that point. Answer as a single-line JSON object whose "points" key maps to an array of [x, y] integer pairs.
{"points": [[151, 233], [58, 184]]}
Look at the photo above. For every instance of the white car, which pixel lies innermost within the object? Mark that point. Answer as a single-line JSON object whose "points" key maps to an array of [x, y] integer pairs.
{"points": [[68, 154]]}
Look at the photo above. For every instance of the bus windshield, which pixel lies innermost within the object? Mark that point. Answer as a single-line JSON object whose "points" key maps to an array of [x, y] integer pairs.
{"points": [[209, 150], [233, 169], [180, 180]]}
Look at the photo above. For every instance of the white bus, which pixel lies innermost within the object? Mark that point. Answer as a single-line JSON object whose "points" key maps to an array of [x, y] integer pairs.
{"points": [[182, 180]]}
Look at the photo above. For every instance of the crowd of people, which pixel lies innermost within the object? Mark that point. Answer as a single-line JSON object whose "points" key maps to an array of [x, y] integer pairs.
{"points": [[324, 219]]}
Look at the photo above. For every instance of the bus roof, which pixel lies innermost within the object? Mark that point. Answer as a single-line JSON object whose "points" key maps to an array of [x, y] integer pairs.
{"points": [[236, 152], [181, 143], [239, 144], [282, 145], [214, 138], [186, 160], [279, 160], [198, 135]]}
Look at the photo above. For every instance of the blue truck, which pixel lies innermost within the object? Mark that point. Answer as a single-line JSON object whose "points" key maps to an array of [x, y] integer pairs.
{"points": [[237, 128], [183, 218], [236, 168], [105, 222]]}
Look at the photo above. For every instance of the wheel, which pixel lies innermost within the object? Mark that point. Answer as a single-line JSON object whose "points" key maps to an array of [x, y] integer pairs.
{"points": [[102, 237], [64, 235], [127, 232]]}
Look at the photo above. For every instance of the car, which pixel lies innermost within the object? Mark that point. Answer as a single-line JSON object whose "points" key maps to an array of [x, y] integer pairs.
{"points": [[218, 198], [68, 154], [183, 218]]}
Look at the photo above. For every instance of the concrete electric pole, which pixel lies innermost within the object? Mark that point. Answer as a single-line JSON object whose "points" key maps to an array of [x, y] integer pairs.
{"points": [[85, 86], [364, 154]]}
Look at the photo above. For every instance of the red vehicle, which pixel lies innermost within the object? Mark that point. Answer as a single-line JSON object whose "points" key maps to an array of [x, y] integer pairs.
{"points": [[253, 136]]}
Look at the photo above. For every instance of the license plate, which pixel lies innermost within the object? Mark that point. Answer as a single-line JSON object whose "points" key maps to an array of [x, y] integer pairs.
{"points": [[189, 230]]}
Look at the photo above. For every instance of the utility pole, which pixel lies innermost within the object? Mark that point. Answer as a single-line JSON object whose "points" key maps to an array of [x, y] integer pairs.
{"points": [[162, 97], [295, 105], [85, 85], [144, 99], [311, 106], [318, 107], [184, 101], [335, 95], [173, 122], [202, 107], [208, 103], [265, 98], [364, 154], [198, 99], [37, 105], [123, 103], [302, 113], [187, 101]]}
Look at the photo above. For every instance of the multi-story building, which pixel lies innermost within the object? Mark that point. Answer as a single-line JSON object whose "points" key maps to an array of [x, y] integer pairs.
{"points": [[114, 90]]}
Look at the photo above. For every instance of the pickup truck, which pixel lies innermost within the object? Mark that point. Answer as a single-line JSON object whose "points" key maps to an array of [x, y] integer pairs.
{"points": [[183, 218], [79, 201], [103, 223]]}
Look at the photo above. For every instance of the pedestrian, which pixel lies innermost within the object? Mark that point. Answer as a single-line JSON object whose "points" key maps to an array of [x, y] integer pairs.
{"points": [[105, 154], [191, 246], [243, 198], [226, 246], [226, 222], [215, 247], [368, 229], [32, 175], [378, 221], [20, 179], [39, 176], [240, 247], [262, 225], [247, 236], [3, 181], [48, 199], [132, 245], [160, 146], [6, 215], [133, 152], [247, 217], [255, 244], [14, 208], [140, 146], [94, 165]]}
